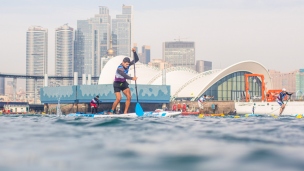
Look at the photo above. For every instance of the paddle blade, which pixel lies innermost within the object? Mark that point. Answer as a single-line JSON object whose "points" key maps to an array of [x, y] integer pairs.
{"points": [[138, 110]]}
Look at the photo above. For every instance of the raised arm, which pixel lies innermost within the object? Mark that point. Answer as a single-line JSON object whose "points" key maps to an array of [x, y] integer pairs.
{"points": [[289, 94], [135, 57]]}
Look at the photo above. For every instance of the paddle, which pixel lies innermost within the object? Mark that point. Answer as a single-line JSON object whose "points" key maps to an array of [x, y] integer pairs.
{"points": [[138, 109], [285, 104]]}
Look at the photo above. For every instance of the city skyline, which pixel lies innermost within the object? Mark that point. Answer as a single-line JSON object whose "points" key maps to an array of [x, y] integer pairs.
{"points": [[224, 32]]}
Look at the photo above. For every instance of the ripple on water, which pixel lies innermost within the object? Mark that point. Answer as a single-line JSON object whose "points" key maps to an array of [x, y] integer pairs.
{"points": [[46, 142]]}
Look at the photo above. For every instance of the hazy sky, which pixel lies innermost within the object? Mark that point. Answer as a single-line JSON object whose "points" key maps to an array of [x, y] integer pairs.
{"points": [[224, 31]]}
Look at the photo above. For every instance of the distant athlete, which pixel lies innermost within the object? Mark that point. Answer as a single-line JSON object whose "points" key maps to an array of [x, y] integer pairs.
{"points": [[120, 83], [174, 107], [201, 101], [94, 104], [280, 99]]}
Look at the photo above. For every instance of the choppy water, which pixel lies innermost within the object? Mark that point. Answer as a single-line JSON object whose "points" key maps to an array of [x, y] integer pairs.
{"points": [[50, 143]]}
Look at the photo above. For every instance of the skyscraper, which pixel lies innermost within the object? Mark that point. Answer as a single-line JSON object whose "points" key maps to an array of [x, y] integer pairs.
{"points": [[2, 86], [159, 63], [145, 55], [202, 66], [179, 53], [284, 80], [64, 50], [300, 84], [92, 39], [36, 59], [122, 31]]}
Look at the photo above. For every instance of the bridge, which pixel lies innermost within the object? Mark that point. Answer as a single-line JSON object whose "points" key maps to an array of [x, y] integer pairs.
{"points": [[8, 75], [45, 77]]}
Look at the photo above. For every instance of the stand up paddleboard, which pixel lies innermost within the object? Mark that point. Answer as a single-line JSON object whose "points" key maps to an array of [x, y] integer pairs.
{"points": [[128, 115]]}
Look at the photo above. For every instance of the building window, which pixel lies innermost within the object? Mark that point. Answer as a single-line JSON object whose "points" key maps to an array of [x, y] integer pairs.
{"points": [[232, 87]]}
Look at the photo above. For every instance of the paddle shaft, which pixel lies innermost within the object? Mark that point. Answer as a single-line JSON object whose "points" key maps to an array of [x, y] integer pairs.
{"points": [[135, 84]]}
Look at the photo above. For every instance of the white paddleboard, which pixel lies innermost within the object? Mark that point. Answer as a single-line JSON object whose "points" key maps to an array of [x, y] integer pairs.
{"points": [[129, 115]]}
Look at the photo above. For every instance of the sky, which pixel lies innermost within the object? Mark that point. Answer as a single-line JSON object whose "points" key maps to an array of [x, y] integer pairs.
{"points": [[225, 32]]}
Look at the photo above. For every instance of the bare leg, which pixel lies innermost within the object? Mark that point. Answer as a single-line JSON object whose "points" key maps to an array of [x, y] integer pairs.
{"points": [[118, 98], [282, 109], [127, 93]]}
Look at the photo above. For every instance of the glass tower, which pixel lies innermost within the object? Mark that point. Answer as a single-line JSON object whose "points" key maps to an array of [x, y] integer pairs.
{"points": [[36, 59], [64, 50], [122, 31], [179, 53], [92, 40]]}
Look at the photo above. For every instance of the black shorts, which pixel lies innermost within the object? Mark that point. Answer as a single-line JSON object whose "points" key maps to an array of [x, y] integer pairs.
{"points": [[120, 86]]}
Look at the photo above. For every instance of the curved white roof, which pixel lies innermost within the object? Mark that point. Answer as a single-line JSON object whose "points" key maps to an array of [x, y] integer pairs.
{"points": [[198, 85], [175, 77], [107, 74], [184, 82], [144, 73]]}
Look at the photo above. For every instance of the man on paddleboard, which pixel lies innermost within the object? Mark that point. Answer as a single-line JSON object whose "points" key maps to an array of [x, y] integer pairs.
{"points": [[120, 81], [280, 99]]}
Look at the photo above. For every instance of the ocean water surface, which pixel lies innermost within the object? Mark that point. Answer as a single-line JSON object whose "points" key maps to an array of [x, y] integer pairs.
{"points": [[184, 143]]}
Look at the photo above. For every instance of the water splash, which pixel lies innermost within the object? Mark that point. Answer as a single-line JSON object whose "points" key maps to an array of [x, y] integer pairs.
{"points": [[59, 113]]}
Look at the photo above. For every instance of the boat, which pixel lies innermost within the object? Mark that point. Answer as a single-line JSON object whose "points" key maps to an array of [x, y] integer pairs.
{"points": [[292, 108], [268, 104], [128, 115]]}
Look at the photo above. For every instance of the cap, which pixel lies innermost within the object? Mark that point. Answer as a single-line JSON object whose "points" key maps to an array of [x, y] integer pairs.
{"points": [[126, 59], [97, 96], [284, 89]]}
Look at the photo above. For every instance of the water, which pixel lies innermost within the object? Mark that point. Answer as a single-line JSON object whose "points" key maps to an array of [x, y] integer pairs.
{"points": [[51, 143]]}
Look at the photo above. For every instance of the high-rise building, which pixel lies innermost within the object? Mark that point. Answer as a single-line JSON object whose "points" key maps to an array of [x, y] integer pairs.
{"points": [[2, 86], [122, 31], [276, 77], [145, 55], [292, 81], [289, 81], [105, 59], [36, 59], [64, 53], [159, 63], [179, 53], [202, 66], [92, 39], [300, 84], [283, 80]]}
